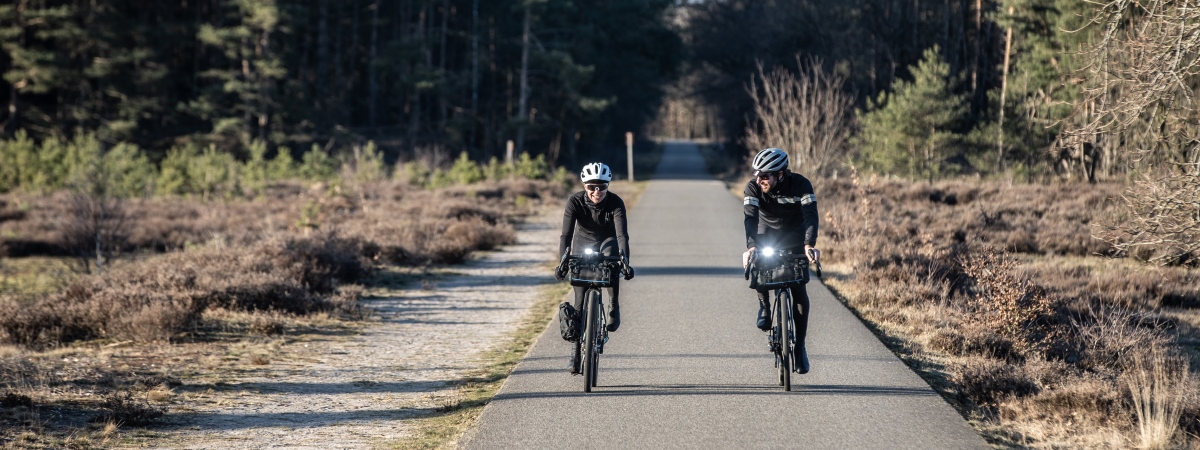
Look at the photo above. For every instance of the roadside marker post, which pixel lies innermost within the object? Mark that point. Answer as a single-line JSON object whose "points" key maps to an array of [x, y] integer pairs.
{"points": [[629, 152]]}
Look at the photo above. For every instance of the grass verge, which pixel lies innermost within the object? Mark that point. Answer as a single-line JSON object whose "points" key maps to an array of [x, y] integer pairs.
{"points": [[444, 428]]}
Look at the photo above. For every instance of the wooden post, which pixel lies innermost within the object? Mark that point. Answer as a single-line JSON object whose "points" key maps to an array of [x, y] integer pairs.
{"points": [[629, 152], [508, 153]]}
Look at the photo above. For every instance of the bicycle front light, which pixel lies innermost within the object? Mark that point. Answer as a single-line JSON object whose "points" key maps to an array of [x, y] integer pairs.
{"points": [[768, 252], [587, 251]]}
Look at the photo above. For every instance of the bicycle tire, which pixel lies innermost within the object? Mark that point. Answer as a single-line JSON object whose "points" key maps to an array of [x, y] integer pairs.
{"points": [[590, 334], [785, 325], [598, 348]]}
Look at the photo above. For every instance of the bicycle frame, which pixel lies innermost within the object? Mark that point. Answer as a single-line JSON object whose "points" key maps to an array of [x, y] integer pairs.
{"points": [[601, 273], [782, 338]]}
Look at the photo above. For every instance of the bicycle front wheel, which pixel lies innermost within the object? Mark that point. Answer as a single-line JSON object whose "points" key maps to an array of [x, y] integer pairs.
{"points": [[591, 337], [784, 319]]}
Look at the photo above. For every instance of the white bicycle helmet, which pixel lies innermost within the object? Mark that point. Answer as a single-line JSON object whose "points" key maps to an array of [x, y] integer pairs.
{"points": [[596, 172], [769, 160]]}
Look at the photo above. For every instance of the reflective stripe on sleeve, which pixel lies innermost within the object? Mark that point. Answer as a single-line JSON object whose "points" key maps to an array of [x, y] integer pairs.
{"points": [[750, 201], [808, 199]]}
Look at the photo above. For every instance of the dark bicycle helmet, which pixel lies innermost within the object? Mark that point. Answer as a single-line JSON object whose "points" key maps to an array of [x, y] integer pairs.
{"points": [[770, 160], [596, 172]]}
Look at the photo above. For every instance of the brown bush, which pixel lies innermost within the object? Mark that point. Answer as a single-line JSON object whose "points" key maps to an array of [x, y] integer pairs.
{"points": [[986, 382], [157, 298], [1088, 401], [168, 223], [1001, 301], [123, 409]]}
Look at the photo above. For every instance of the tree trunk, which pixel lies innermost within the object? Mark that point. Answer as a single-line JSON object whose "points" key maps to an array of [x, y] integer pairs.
{"points": [[442, 103], [13, 121], [337, 96], [1003, 91], [414, 115], [474, 71], [523, 102], [322, 64], [372, 78], [976, 95]]}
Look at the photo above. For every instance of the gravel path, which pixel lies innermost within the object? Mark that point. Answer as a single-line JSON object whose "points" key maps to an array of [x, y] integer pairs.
{"points": [[364, 391]]}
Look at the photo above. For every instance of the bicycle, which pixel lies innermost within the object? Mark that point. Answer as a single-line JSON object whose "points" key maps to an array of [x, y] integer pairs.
{"points": [[592, 271], [780, 271]]}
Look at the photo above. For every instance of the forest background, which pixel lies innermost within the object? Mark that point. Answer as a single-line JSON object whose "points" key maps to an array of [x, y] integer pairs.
{"points": [[1043, 154]]}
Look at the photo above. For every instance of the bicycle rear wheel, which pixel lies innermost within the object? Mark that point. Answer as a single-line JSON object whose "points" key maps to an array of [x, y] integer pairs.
{"points": [[591, 336], [783, 318]]}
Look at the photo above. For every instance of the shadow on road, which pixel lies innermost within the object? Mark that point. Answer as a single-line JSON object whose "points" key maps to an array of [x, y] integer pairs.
{"points": [[726, 390], [731, 271]]}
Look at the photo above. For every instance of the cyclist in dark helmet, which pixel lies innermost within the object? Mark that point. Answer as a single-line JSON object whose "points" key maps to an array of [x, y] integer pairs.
{"points": [[599, 217], [781, 211]]}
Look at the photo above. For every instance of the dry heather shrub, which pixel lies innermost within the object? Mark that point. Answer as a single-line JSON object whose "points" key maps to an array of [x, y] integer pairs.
{"points": [[1123, 286], [986, 382], [1083, 401], [979, 340], [267, 323], [160, 394], [122, 408], [1002, 302], [946, 340], [155, 299], [1110, 339]]}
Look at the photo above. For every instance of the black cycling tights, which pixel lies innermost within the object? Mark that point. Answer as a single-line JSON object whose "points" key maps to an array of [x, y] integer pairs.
{"points": [[800, 296], [607, 248]]}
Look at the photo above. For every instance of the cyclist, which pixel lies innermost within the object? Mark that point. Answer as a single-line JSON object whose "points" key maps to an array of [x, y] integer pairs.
{"points": [[599, 216], [781, 211]]}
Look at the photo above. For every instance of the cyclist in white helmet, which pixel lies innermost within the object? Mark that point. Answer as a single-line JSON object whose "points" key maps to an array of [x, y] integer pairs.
{"points": [[599, 216], [781, 211]]}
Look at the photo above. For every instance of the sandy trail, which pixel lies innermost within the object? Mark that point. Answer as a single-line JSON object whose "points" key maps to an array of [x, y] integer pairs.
{"points": [[365, 391]]}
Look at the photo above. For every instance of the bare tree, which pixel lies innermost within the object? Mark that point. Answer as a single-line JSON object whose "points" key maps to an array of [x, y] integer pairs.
{"points": [[806, 114], [1140, 94], [94, 228]]}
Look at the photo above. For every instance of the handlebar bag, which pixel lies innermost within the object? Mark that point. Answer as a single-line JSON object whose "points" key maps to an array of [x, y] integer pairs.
{"points": [[594, 274], [782, 274]]}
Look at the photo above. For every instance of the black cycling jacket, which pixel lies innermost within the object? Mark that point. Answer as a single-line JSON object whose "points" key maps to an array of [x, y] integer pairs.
{"points": [[596, 222], [788, 212]]}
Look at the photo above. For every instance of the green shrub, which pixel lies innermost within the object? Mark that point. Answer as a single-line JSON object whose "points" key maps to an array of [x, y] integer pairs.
{"points": [[532, 168], [317, 165], [173, 173], [51, 170], [283, 166], [465, 171], [213, 172], [18, 161], [439, 179], [256, 170], [127, 171], [368, 163], [564, 177], [414, 173], [494, 171]]}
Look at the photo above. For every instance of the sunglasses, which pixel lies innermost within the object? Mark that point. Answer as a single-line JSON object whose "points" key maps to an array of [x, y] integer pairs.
{"points": [[767, 176], [596, 187]]}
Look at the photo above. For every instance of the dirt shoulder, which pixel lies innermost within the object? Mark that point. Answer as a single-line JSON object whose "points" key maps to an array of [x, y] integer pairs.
{"points": [[367, 389]]}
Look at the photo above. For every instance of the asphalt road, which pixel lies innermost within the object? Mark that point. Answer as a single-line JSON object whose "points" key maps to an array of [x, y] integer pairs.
{"points": [[688, 369]]}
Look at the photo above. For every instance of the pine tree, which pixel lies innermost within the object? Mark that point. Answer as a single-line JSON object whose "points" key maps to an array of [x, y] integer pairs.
{"points": [[242, 104], [915, 130]]}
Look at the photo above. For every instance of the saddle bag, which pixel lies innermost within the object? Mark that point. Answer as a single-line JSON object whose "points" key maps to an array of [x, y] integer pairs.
{"points": [[568, 322]]}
